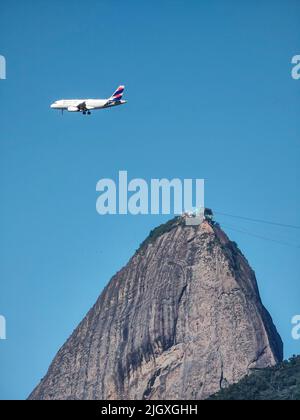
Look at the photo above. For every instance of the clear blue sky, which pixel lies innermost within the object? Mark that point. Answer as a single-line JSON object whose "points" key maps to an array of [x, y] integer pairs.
{"points": [[210, 96]]}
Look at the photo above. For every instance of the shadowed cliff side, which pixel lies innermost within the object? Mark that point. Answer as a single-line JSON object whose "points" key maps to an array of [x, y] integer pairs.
{"points": [[181, 320]]}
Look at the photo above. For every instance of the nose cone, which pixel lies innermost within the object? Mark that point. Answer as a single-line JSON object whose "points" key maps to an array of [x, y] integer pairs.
{"points": [[53, 105]]}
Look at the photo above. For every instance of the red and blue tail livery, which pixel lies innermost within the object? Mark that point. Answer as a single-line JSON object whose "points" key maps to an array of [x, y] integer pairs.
{"points": [[117, 95]]}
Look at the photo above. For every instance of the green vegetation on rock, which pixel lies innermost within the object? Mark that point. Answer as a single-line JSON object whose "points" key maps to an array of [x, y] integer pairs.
{"points": [[281, 382], [160, 230]]}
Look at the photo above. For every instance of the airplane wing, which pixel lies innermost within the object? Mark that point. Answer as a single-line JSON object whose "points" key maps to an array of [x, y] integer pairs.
{"points": [[82, 106]]}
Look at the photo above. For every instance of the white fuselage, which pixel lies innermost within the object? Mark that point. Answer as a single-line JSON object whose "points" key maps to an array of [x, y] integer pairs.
{"points": [[74, 105]]}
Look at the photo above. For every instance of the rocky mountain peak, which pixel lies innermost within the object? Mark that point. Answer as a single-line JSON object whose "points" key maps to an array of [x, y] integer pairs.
{"points": [[181, 320]]}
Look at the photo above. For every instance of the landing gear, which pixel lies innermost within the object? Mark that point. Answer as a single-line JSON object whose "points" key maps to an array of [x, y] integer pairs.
{"points": [[89, 112], [83, 112]]}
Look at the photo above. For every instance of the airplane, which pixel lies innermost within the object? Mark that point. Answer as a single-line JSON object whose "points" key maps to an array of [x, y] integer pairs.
{"points": [[87, 105]]}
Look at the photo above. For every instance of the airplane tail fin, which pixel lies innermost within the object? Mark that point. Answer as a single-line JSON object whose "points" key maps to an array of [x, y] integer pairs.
{"points": [[117, 95]]}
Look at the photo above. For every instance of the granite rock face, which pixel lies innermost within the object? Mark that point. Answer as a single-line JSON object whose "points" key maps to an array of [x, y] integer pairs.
{"points": [[183, 319]]}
